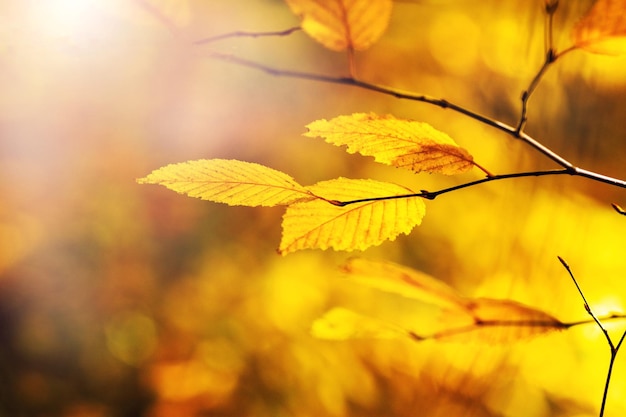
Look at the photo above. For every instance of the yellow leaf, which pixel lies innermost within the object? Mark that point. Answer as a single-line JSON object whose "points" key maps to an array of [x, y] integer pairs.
{"points": [[480, 320], [343, 324], [343, 24], [401, 143], [320, 225], [407, 282], [232, 182], [603, 29], [497, 321]]}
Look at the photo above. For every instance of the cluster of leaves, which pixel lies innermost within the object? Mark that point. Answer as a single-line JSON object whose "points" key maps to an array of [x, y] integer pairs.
{"points": [[355, 214], [316, 215], [349, 214]]}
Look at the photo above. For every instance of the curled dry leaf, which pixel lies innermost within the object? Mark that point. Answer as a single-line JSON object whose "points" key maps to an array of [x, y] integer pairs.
{"points": [[343, 24], [316, 224], [402, 143], [603, 29], [232, 182]]}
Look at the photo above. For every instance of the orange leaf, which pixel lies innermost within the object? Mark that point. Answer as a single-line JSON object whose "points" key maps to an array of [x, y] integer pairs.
{"points": [[232, 182], [318, 224], [603, 29], [343, 24], [401, 143]]}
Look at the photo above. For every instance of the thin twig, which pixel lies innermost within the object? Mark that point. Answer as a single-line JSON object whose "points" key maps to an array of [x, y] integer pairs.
{"points": [[618, 209], [431, 195], [244, 34], [569, 168], [614, 348], [350, 81], [549, 60], [556, 325], [550, 57]]}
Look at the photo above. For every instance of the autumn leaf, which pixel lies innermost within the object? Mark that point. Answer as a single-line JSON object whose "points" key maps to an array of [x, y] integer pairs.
{"points": [[489, 320], [343, 24], [397, 279], [480, 320], [318, 224], [401, 143], [603, 29], [232, 182]]}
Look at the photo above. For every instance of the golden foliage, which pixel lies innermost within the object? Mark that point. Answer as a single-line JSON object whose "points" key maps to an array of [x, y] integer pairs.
{"points": [[318, 224], [313, 218], [481, 320], [160, 306], [603, 29], [401, 143], [232, 182], [401, 280], [343, 24]]}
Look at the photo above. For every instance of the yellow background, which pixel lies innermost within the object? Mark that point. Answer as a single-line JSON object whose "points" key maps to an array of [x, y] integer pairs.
{"points": [[120, 299]]}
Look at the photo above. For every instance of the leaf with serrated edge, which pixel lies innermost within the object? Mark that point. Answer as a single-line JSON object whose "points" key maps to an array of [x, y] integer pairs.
{"points": [[343, 324], [228, 181], [401, 143], [397, 279], [317, 224], [343, 24], [603, 29]]}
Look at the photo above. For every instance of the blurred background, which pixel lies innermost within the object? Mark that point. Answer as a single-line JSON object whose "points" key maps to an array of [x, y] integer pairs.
{"points": [[124, 300]]}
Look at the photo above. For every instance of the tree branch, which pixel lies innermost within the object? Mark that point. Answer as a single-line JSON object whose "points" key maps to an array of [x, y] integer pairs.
{"points": [[431, 195], [614, 348], [442, 103]]}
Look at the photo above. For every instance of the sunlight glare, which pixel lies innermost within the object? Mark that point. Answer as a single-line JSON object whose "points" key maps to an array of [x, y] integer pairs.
{"points": [[68, 18]]}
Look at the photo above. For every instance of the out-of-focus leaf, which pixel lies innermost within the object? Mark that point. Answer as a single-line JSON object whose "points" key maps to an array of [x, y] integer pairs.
{"points": [[401, 143], [320, 225], [398, 279], [343, 324], [343, 24], [479, 320], [232, 182], [603, 29], [497, 321]]}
